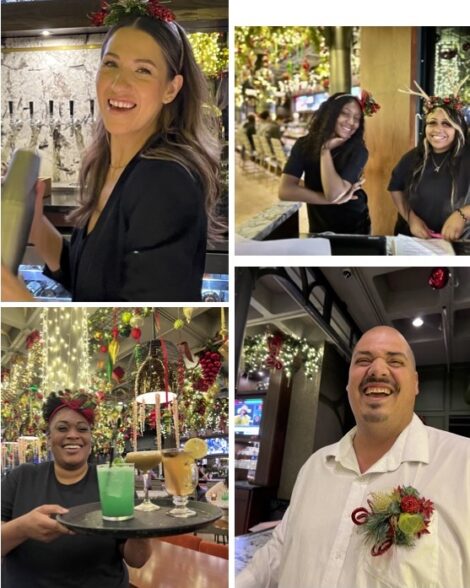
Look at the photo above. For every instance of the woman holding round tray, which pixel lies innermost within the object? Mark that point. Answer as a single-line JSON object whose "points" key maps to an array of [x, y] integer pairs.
{"points": [[37, 550]]}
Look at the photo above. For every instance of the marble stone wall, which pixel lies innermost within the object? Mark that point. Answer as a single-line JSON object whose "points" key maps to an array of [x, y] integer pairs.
{"points": [[37, 71]]}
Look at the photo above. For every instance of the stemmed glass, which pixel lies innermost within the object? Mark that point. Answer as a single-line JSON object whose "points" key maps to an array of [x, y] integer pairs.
{"points": [[145, 461], [181, 478]]}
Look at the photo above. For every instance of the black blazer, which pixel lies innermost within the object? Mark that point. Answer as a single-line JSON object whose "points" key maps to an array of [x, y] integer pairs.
{"points": [[149, 242]]}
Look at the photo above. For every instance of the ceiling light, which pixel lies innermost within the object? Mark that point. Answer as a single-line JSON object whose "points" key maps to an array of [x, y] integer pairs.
{"points": [[418, 322], [46, 33]]}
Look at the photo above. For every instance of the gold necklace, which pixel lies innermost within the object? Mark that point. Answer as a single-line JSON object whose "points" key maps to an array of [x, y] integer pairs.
{"points": [[438, 167]]}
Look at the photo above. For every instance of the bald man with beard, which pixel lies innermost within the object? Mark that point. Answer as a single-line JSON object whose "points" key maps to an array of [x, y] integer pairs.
{"points": [[317, 545]]}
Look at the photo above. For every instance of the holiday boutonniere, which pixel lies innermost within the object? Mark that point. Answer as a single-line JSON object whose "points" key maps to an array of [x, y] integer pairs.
{"points": [[395, 518]]}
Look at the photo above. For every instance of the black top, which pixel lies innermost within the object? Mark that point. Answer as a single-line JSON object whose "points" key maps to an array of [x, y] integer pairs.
{"points": [[351, 217], [149, 242], [432, 199], [77, 561]]}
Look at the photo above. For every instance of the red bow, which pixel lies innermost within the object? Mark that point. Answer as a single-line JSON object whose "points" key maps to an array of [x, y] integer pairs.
{"points": [[76, 405], [274, 346]]}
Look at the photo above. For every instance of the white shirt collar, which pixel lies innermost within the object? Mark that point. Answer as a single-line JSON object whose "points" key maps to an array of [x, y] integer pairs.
{"points": [[403, 450]]}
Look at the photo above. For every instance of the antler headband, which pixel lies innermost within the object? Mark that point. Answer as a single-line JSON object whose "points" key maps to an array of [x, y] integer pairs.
{"points": [[453, 100]]}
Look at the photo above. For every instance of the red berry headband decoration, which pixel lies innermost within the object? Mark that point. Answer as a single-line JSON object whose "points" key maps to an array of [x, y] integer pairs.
{"points": [[368, 105], [111, 14], [452, 101]]}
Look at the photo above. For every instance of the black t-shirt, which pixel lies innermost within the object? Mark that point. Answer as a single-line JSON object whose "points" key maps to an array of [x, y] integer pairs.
{"points": [[351, 217], [78, 561], [431, 201], [149, 243]]}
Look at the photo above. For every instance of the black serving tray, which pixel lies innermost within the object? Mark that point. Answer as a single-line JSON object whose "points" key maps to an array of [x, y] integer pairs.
{"points": [[86, 519]]}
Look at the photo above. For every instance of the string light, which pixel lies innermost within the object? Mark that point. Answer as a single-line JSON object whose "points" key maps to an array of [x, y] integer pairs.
{"points": [[66, 363], [210, 52], [293, 349]]}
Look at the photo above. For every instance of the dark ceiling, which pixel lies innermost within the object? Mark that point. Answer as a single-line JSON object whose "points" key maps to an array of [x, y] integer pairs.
{"points": [[377, 296], [70, 16]]}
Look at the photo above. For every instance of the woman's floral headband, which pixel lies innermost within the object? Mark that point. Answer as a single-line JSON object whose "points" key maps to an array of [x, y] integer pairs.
{"points": [[111, 14], [368, 105], [430, 103], [397, 518]]}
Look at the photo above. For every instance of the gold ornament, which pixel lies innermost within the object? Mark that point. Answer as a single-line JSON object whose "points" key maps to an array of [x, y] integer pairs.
{"points": [[113, 350], [188, 314], [136, 321]]}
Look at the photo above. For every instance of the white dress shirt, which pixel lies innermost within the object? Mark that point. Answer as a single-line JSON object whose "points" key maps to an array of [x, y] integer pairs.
{"points": [[318, 546]]}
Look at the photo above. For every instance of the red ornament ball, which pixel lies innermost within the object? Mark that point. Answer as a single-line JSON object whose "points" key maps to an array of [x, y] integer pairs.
{"points": [[439, 277], [103, 348], [136, 333]]}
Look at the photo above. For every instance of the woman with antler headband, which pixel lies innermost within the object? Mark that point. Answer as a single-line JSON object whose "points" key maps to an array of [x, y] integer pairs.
{"points": [[36, 549], [430, 186], [332, 156], [149, 181]]}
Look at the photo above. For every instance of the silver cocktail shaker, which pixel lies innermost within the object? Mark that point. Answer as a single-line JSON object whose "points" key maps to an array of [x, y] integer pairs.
{"points": [[18, 198]]}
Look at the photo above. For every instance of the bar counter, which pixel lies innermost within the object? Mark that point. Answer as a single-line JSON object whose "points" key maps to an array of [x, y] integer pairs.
{"points": [[172, 566], [246, 545]]}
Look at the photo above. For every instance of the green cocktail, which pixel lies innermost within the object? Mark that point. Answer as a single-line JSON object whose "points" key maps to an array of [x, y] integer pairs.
{"points": [[116, 485]]}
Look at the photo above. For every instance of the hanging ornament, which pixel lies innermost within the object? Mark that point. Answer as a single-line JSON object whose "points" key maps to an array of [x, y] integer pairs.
{"points": [[188, 313], [136, 333], [136, 321], [118, 374], [178, 324], [210, 362], [274, 347], [98, 335], [126, 317], [124, 330], [223, 349], [439, 278], [103, 348], [115, 332], [113, 350]]}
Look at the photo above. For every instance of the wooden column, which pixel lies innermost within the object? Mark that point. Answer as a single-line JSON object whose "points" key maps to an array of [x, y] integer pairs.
{"points": [[389, 61]]}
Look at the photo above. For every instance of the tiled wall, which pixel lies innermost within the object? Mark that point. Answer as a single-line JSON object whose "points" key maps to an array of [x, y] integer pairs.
{"points": [[61, 70]]}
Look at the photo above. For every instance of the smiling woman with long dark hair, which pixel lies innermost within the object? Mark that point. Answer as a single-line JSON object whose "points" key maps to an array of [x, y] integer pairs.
{"points": [[332, 156], [149, 181], [430, 185]]}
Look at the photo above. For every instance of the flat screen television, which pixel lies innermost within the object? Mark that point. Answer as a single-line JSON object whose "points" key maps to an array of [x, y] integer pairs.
{"points": [[248, 415], [217, 445], [309, 102]]}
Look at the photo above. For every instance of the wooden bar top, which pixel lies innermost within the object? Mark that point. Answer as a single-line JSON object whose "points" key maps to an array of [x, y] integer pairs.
{"points": [[172, 566]]}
